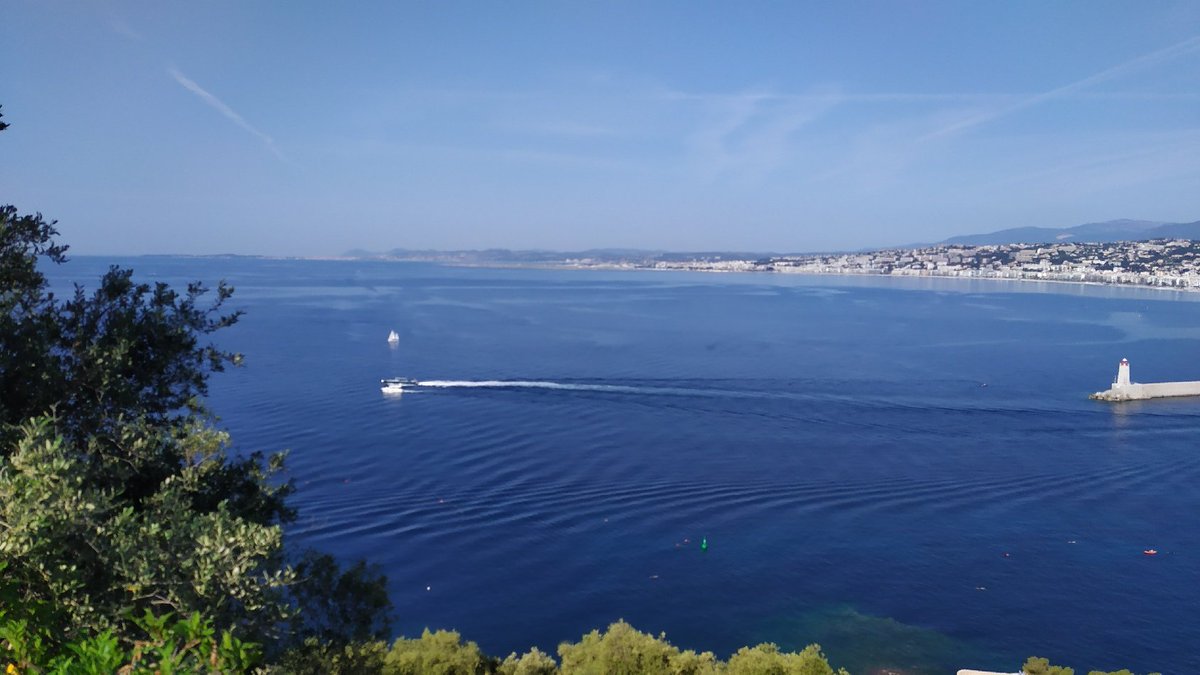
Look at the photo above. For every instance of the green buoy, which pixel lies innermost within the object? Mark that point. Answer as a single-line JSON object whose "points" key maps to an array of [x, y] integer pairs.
{"points": [[704, 544]]}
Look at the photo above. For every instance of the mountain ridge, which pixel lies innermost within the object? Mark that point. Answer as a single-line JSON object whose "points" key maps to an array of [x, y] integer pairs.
{"points": [[1109, 231]]}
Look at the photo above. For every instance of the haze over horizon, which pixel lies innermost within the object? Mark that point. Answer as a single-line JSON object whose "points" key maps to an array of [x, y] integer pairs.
{"points": [[314, 129]]}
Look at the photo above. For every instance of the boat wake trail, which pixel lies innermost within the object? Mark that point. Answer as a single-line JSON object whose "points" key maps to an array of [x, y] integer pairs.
{"points": [[538, 384]]}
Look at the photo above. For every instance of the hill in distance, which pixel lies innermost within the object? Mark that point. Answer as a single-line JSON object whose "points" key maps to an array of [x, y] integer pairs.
{"points": [[1106, 232]]}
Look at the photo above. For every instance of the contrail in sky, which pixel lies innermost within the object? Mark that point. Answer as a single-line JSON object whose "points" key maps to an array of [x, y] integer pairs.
{"points": [[225, 110], [1165, 54]]}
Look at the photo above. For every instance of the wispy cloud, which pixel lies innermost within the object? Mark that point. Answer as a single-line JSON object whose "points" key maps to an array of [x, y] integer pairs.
{"points": [[749, 135], [575, 129], [837, 96], [229, 113], [1177, 50], [1001, 100], [122, 28], [1135, 159]]}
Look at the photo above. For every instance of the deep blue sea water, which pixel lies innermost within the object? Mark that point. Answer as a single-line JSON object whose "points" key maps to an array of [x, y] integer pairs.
{"points": [[907, 471]]}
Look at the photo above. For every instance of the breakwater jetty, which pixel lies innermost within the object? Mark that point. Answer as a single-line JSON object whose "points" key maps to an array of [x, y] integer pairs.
{"points": [[1125, 390]]}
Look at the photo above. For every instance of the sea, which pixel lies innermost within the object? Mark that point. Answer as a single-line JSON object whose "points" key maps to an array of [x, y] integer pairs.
{"points": [[908, 472]]}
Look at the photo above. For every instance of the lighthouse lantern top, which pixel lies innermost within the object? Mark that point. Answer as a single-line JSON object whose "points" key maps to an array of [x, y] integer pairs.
{"points": [[1122, 374]]}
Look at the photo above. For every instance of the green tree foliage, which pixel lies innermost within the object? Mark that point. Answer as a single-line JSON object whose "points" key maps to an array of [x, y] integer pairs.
{"points": [[77, 545], [333, 604], [437, 653], [623, 650], [126, 350], [1039, 666], [1036, 665], [532, 662], [620, 650], [766, 659], [164, 645], [117, 496], [27, 327], [317, 657]]}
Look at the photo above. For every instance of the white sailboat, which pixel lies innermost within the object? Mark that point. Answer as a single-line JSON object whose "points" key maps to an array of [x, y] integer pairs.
{"points": [[393, 337]]}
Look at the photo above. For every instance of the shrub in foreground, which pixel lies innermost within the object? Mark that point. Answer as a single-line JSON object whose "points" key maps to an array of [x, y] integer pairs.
{"points": [[532, 662], [766, 658], [1039, 666], [166, 645], [623, 650], [438, 653], [620, 650]]}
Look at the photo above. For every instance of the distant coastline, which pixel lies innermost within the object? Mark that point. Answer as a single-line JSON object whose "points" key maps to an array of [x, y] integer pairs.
{"points": [[1172, 264], [1123, 252]]}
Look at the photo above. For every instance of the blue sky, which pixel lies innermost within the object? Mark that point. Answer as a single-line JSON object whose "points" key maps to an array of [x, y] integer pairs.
{"points": [[310, 128]]}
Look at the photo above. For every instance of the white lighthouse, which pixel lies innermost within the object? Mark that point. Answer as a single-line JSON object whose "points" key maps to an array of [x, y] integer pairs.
{"points": [[1122, 374], [1125, 390]]}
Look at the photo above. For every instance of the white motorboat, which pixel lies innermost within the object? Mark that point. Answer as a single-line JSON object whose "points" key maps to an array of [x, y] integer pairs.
{"points": [[395, 385], [393, 337]]}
